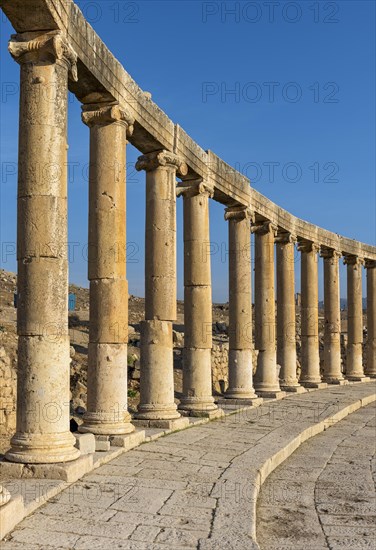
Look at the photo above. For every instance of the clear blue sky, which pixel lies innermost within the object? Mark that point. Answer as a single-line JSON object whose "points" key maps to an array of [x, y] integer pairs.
{"points": [[303, 84]]}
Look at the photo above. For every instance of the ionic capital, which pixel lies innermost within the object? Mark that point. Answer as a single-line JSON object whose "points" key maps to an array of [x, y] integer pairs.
{"points": [[102, 114], [285, 237], [239, 213], [370, 264], [156, 159], [193, 188], [34, 47], [308, 246], [330, 253], [351, 259], [262, 228]]}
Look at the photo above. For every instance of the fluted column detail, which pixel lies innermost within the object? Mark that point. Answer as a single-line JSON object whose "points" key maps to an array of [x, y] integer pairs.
{"points": [[371, 318], [107, 386], [43, 433], [286, 322], [197, 396], [332, 308], [310, 363], [266, 380], [157, 379], [240, 304], [354, 355]]}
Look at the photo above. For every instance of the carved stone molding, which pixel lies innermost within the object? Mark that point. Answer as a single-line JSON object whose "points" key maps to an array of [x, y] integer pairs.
{"points": [[102, 114], [34, 47], [350, 259], [308, 246], [370, 264], [152, 161], [239, 213], [285, 237], [262, 228], [330, 253], [192, 188]]}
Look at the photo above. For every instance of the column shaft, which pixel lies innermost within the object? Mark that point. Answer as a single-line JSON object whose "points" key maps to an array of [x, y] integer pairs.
{"points": [[107, 406], [286, 323], [240, 370], [197, 376], [354, 356], [371, 318], [42, 316], [332, 307], [266, 377], [157, 378], [310, 374]]}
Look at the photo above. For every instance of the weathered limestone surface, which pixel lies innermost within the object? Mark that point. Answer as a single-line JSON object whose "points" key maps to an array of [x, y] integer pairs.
{"points": [[240, 369], [354, 357], [107, 412], [332, 329], [157, 382], [266, 377], [371, 319], [197, 374], [43, 347], [286, 315], [310, 375]]}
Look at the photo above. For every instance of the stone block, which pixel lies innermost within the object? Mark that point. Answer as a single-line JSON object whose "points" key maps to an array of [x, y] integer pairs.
{"points": [[11, 513], [85, 443], [128, 441]]}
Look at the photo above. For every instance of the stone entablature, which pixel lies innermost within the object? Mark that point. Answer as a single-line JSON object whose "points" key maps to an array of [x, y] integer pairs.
{"points": [[101, 74]]}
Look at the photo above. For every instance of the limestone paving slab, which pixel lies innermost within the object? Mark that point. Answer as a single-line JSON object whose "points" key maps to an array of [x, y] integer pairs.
{"points": [[192, 489], [320, 504]]}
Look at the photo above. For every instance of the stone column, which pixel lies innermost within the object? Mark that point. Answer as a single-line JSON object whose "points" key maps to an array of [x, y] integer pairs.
{"points": [[266, 377], [157, 406], [286, 323], [4, 496], [107, 385], [354, 356], [240, 305], [332, 306], [371, 318], [310, 374], [197, 397], [42, 434]]}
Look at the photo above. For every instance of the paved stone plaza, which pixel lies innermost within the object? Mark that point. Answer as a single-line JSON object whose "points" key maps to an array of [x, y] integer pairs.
{"points": [[197, 488]]}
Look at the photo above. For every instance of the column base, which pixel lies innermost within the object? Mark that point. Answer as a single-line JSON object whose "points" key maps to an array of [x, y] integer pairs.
{"points": [[243, 402], [314, 385], [42, 448], [155, 411], [238, 393], [293, 389], [194, 406], [266, 394], [173, 424], [335, 381], [203, 413], [98, 424], [358, 378]]}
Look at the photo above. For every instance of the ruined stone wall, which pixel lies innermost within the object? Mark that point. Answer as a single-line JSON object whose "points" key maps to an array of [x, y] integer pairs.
{"points": [[8, 383]]}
